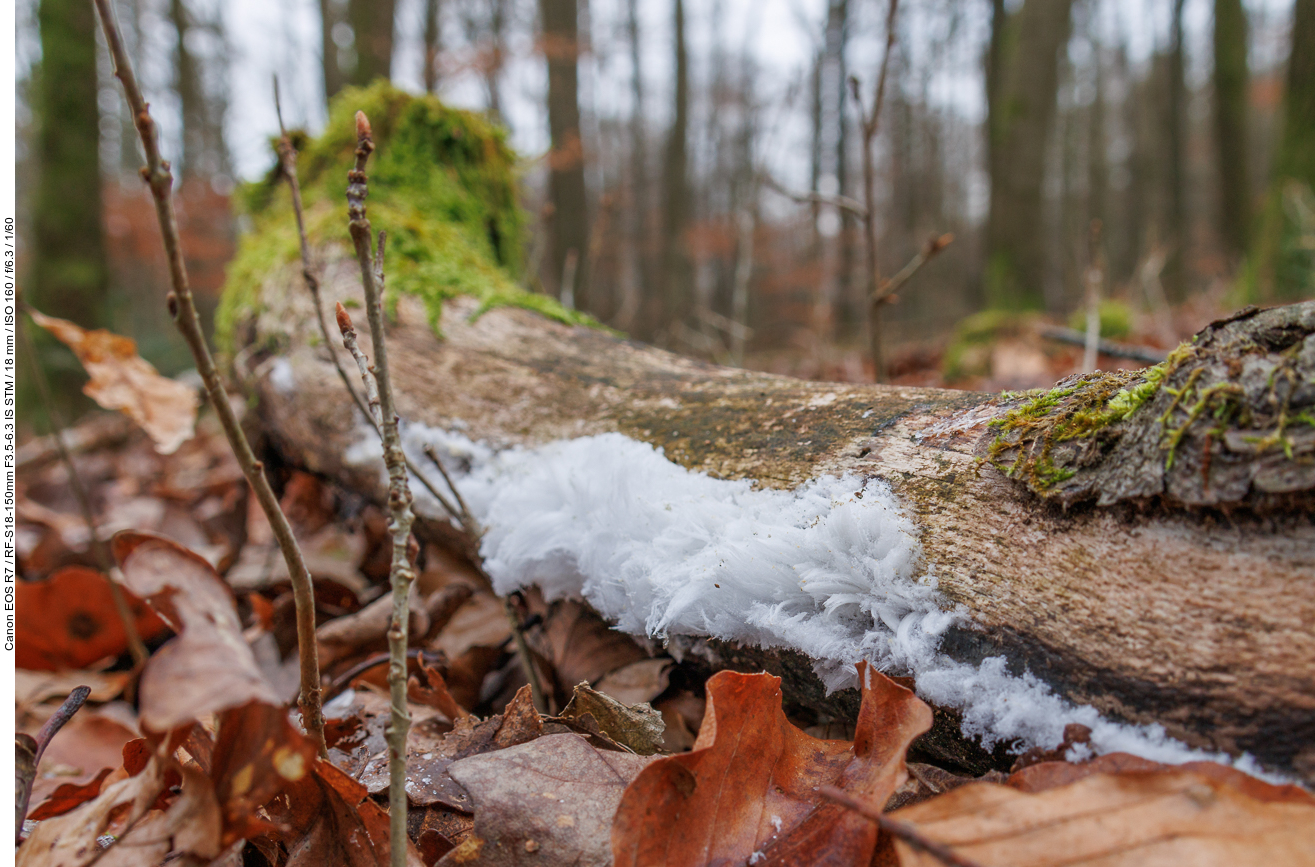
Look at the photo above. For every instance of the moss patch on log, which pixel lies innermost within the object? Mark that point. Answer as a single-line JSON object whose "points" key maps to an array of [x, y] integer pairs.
{"points": [[442, 185], [1225, 420]]}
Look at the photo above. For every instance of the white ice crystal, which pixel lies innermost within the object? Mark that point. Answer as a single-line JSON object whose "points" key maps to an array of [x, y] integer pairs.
{"points": [[832, 569]]}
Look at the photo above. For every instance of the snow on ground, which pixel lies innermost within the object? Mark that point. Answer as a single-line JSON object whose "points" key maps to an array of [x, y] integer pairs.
{"points": [[832, 569]]}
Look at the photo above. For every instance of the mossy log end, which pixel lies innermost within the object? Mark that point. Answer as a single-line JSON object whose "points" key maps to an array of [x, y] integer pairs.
{"points": [[1198, 618]]}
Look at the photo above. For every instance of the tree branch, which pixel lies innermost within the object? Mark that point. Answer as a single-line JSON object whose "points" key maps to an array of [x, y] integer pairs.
{"points": [[183, 309]]}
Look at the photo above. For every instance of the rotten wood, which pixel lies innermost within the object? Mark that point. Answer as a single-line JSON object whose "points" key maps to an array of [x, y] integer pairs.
{"points": [[1195, 618]]}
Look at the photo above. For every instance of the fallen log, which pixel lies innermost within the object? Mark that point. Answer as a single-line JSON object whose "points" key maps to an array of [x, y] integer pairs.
{"points": [[1135, 547], [1153, 598]]}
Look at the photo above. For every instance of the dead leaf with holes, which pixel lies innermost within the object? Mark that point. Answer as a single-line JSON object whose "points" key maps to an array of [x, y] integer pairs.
{"points": [[548, 803], [69, 621], [122, 380]]}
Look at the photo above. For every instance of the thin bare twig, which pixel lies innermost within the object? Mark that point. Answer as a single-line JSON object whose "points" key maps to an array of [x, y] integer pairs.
{"points": [[871, 121], [103, 559], [901, 830], [854, 206], [400, 516], [183, 309], [928, 252]]}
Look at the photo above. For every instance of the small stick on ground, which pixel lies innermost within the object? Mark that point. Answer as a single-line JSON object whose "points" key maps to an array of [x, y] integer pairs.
{"points": [[38, 745], [103, 559], [400, 517], [901, 830], [183, 309]]}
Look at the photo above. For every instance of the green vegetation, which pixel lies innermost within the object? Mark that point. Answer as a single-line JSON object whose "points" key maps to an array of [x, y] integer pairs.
{"points": [[1115, 319], [969, 352], [442, 185]]}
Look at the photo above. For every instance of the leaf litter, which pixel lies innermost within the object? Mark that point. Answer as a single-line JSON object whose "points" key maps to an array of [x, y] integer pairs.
{"points": [[224, 775]]}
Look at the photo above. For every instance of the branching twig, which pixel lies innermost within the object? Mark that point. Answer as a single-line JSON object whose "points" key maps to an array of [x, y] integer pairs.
{"points": [[98, 549], [902, 830], [871, 120], [183, 309], [400, 517], [925, 255]]}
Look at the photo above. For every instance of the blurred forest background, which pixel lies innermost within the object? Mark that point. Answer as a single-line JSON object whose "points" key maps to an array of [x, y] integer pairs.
{"points": [[694, 172]]}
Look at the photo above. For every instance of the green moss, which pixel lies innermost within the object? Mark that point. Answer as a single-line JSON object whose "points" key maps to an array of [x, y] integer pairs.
{"points": [[442, 185], [1115, 319]]}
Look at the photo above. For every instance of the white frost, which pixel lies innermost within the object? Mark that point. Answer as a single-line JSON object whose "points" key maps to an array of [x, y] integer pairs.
{"points": [[832, 569]]}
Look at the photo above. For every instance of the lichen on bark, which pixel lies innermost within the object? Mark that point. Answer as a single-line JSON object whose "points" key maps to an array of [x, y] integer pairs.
{"points": [[1227, 420], [444, 189]]}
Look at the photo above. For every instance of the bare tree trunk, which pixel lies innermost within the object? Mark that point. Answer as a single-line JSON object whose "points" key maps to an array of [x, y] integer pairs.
{"points": [[433, 42], [1022, 78], [70, 276], [372, 25], [1175, 271], [1283, 262], [677, 284], [566, 189], [491, 69], [1114, 601], [333, 76], [640, 235], [1231, 81]]}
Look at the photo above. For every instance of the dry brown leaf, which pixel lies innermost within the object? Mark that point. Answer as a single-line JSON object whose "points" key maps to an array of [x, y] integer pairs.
{"points": [[481, 622], [34, 687], [427, 780], [209, 667], [188, 830], [89, 743], [640, 728], [69, 620], [71, 840], [580, 645], [643, 680], [257, 754], [1130, 819], [549, 803], [749, 788], [122, 380]]}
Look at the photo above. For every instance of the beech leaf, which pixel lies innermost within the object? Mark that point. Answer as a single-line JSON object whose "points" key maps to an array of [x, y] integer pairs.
{"points": [[122, 380], [209, 667]]}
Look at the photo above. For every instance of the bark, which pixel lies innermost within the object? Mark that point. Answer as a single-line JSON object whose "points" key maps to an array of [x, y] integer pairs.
{"points": [[639, 190], [1196, 618], [372, 25], [566, 190], [69, 274], [1231, 81], [1023, 72]]}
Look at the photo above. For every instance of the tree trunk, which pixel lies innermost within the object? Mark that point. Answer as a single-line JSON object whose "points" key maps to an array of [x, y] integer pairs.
{"points": [[69, 275], [1284, 265], [1175, 270], [677, 283], [333, 76], [1159, 570], [640, 234], [1232, 80], [433, 45], [566, 190], [372, 25], [1022, 77]]}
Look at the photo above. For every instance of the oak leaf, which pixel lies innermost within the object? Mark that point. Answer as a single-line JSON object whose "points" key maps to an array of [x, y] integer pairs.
{"points": [[749, 789]]}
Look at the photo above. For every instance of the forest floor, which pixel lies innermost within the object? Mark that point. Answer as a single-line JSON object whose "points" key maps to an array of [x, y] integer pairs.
{"points": [[638, 759]]}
